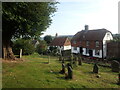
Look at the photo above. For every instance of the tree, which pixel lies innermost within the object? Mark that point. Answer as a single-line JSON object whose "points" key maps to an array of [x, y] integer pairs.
{"points": [[26, 20], [48, 38], [26, 46]]}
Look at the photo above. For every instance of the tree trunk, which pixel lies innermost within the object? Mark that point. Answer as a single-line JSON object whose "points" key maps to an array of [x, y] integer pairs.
{"points": [[7, 51]]}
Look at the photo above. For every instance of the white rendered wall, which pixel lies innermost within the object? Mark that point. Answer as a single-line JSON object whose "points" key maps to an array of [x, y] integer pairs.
{"points": [[67, 47], [106, 38]]}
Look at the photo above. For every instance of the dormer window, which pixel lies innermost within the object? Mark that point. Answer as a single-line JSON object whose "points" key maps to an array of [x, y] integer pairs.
{"points": [[87, 43], [97, 43]]}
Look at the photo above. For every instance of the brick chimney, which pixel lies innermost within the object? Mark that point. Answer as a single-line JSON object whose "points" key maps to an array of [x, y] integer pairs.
{"points": [[86, 27]]}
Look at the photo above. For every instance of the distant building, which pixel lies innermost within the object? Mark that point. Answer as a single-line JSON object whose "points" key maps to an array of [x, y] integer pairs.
{"points": [[91, 42], [35, 43], [62, 43]]}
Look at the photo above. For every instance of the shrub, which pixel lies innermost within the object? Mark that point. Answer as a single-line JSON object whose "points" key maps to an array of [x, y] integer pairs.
{"points": [[42, 47], [25, 45]]}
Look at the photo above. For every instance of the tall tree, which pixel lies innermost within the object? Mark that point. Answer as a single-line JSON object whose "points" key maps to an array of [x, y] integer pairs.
{"points": [[24, 19], [48, 38]]}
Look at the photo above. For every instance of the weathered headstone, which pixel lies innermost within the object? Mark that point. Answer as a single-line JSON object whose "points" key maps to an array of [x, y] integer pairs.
{"points": [[79, 60], [95, 68], [63, 69], [69, 75], [115, 65], [70, 72]]}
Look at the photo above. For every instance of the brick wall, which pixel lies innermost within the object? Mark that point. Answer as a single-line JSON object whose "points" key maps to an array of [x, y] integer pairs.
{"points": [[113, 49]]}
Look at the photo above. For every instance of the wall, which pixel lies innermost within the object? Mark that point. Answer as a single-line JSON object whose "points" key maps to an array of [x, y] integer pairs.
{"points": [[113, 49]]}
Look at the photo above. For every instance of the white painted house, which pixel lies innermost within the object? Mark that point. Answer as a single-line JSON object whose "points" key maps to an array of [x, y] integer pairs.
{"points": [[62, 43], [91, 42]]}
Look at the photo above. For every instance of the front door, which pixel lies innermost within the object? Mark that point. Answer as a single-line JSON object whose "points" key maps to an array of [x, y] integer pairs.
{"points": [[90, 53], [81, 50]]}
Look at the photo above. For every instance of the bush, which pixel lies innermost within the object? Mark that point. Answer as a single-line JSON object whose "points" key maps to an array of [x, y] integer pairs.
{"points": [[42, 48], [25, 45]]}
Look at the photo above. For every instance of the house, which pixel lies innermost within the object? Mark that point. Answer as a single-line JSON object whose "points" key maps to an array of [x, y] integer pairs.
{"points": [[35, 43], [91, 42], [62, 43]]}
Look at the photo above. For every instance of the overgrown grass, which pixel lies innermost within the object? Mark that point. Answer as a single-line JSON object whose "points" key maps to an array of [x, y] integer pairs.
{"points": [[35, 72]]}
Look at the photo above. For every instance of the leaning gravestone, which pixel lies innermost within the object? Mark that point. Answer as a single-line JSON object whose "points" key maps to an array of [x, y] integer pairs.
{"points": [[63, 69], [115, 65], [70, 72], [95, 68]]}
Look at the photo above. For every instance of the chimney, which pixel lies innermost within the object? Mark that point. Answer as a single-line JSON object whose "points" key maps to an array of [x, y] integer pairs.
{"points": [[56, 35], [86, 27]]}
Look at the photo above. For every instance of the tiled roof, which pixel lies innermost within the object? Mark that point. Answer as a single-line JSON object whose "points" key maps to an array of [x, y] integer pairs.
{"points": [[60, 41], [90, 35]]}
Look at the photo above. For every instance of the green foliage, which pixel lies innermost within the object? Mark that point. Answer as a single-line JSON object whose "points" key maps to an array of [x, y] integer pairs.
{"points": [[25, 45], [42, 47], [48, 38], [53, 50], [26, 19]]}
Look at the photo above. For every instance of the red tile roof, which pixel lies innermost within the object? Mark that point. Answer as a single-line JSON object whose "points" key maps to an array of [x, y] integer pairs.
{"points": [[60, 41]]}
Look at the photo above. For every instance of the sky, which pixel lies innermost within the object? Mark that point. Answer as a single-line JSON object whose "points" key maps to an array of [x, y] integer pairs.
{"points": [[73, 15]]}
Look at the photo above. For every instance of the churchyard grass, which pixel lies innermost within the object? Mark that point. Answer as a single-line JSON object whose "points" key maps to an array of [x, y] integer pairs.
{"points": [[35, 72]]}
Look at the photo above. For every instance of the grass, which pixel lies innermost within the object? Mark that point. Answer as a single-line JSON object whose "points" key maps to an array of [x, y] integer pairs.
{"points": [[35, 72]]}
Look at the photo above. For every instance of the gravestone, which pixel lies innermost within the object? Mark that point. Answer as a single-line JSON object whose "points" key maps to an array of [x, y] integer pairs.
{"points": [[69, 75], [95, 68], [70, 72], [79, 60], [63, 69], [115, 65]]}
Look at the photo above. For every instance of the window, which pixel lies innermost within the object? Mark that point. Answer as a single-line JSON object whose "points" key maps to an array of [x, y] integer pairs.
{"points": [[75, 48], [97, 52], [87, 43], [97, 43], [87, 51]]}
